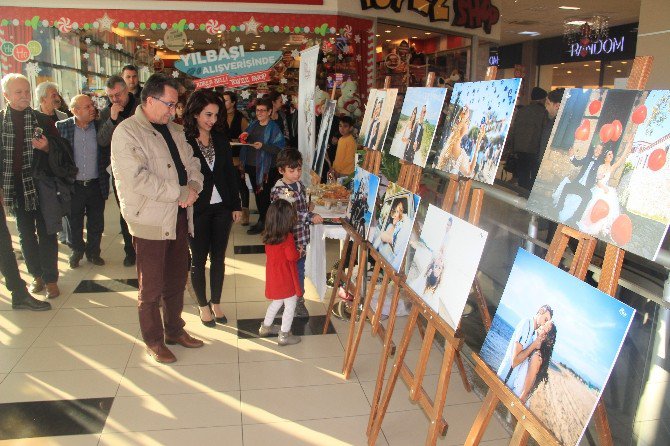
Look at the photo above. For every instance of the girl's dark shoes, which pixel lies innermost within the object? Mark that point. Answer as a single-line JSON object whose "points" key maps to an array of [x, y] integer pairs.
{"points": [[209, 323]]}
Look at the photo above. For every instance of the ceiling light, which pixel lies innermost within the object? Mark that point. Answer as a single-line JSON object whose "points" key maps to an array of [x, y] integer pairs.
{"points": [[529, 33], [397, 26], [258, 37], [414, 37], [147, 38], [555, 68], [576, 22], [387, 31], [388, 40], [377, 35], [618, 71], [597, 69], [141, 35], [428, 34], [623, 62], [570, 8], [569, 72], [586, 65], [609, 66]]}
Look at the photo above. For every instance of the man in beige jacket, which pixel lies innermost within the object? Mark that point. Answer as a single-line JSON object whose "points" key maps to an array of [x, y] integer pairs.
{"points": [[158, 180]]}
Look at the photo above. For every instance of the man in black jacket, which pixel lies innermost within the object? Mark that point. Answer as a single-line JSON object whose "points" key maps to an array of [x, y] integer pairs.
{"points": [[122, 105]]}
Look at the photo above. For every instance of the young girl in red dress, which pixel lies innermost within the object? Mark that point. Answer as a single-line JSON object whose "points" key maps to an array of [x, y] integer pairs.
{"points": [[281, 272]]}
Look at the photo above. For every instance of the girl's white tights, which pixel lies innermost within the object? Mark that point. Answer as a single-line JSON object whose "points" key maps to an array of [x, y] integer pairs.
{"points": [[289, 310]]}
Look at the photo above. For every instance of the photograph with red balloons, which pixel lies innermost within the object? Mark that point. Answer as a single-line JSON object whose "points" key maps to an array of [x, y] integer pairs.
{"points": [[605, 171]]}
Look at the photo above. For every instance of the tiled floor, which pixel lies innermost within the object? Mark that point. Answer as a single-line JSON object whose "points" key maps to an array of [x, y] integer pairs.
{"points": [[238, 390]]}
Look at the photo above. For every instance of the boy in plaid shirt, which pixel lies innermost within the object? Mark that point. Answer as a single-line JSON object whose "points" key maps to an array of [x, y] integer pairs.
{"points": [[290, 188]]}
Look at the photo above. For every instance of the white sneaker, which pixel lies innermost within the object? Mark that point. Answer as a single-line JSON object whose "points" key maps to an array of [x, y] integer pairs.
{"points": [[266, 331], [287, 338]]}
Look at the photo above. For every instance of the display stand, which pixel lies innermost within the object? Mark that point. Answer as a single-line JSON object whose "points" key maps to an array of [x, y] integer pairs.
{"points": [[353, 241], [433, 407], [409, 178], [527, 424]]}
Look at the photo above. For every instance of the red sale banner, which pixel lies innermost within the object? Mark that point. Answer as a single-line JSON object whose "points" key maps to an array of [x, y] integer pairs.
{"points": [[233, 81]]}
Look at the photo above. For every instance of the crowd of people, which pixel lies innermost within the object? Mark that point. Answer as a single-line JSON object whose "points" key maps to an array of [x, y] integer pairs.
{"points": [[180, 186]]}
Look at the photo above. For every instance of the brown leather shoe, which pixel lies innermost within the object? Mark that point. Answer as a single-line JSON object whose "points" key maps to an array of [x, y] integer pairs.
{"points": [[37, 286], [52, 290], [185, 340], [161, 354]]}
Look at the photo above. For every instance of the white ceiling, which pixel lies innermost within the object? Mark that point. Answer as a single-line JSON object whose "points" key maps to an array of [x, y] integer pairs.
{"points": [[545, 17]]}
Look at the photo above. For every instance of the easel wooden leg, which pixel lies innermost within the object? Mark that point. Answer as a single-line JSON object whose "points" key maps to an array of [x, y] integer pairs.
{"points": [[437, 426], [483, 417], [354, 341], [602, 425], [354, 306], [520, 436], [461, 370], [378, 411], [336, 284], [386, 354]]}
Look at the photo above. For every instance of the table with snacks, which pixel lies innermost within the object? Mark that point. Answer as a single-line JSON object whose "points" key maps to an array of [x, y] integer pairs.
{"points": [[330, 201]]}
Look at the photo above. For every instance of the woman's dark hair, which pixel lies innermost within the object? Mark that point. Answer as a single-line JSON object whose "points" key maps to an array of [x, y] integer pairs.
{"points": [[291, 158], [273, 96], [279, 222], [265, 102], [155, 86], [231, 95], [546, 350], [196, 103]]}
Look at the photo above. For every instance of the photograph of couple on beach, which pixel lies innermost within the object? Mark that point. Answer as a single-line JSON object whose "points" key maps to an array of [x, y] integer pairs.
{"points": [[392, 224], [444, 256], [417, 124], [362, 202], [605, 169], [377, 117], [537, 346], [476, 127]]}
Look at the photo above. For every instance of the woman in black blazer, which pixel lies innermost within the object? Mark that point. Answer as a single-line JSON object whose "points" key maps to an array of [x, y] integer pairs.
{"points": [[217, 206]]}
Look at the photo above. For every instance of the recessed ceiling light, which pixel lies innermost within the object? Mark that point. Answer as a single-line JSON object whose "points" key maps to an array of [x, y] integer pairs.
{"points": [[529, 33], [623, 62], [562, 63], [397, 26], [141, 35], [555, 68], [618, 71], [570, 8], [586, 65], [609, 66], [147, 38], [388, 40], [414, 37], [258, 37], [387, 31], [597, 69], [575, 22], [428, 34], [377, 35], [569, 72]]}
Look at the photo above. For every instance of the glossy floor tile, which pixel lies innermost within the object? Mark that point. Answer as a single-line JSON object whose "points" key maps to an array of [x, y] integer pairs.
{"points": [[302, 326]]}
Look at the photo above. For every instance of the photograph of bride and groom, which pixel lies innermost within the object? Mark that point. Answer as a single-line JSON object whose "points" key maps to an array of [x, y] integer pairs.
{"points": [[555, 347], [604, 171]]}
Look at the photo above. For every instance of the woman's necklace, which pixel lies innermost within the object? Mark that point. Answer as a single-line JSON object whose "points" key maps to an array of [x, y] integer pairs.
{"points": [[207, 149]]}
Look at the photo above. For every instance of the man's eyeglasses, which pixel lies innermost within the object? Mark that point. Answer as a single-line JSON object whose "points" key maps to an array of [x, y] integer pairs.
{"points": [[170, 105]]}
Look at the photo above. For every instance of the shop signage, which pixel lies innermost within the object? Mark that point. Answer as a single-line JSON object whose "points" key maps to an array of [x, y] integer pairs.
{"points": [[435, 10], [609, 45], [475, 14], [493, 60], [228, 66]]}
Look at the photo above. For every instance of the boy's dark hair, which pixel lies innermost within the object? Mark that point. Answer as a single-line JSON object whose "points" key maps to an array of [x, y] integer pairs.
{"points": [[556, 96], [265, 102], [155, 86], [279, 222], [291, 158], [347, 120]]}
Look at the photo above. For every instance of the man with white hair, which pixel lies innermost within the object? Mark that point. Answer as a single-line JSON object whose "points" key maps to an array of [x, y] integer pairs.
{"points": [[91, 186], [28, 137], [49, 99]]}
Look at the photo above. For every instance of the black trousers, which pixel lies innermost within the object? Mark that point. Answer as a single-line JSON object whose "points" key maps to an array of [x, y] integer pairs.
{"points": [[87, 201], [526, 170], [244, 191], [262, 197], [8, 266], [212, 229], [128, 246], [40, 249]]}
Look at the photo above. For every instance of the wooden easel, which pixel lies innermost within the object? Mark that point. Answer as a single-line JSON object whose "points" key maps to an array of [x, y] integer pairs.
{"points": [[527, 424], [434, 324], [408, 178], [371, 163]]}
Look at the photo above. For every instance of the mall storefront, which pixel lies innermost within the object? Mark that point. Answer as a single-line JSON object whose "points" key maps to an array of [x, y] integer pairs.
{"points": [[80, 48]]}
